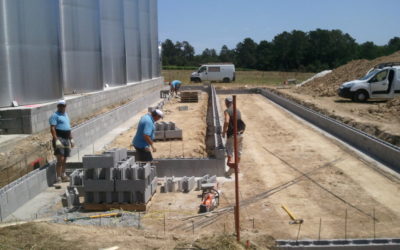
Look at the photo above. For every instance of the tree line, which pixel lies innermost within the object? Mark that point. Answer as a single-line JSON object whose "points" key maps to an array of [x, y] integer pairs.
{"points": [[312, 51]]}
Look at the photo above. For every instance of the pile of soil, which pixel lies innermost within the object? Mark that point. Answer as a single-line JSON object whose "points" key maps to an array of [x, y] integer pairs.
{"points": [[328, 85]]}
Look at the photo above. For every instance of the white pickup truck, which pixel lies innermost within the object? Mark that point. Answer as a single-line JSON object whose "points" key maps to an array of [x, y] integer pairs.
{"points": [[381, 82]]}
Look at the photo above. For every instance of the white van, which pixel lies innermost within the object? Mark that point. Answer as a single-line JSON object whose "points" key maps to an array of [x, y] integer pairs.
{"points": [[215, 73], [381, 82]]}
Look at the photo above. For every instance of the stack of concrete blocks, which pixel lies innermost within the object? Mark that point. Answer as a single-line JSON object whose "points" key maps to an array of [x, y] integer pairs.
{"points": [[113, 177], [206, 179], [135, 183], [184, 184], [169, 185], [167, 130]]}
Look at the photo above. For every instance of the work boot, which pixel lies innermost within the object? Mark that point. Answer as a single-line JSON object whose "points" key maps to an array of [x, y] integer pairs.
{"points": [[65, 178]]}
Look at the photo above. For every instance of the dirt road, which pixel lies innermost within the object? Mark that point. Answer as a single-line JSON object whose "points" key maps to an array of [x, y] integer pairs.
{"points": [[277, 149]]}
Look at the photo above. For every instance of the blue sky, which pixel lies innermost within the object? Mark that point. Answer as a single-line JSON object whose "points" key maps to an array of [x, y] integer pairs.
{"points": [[213, 23]]}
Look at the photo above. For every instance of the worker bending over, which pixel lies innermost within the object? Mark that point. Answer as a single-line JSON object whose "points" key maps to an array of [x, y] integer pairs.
{"points": [[144, 137], [228, 131], [60, 128], [175, 86]]}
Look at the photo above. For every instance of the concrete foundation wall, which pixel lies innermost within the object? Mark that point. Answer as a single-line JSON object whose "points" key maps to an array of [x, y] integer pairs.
{"points": [[33, 119], [17, 193], [86, 133], [340, 244], [382, 151], [190, 167]]}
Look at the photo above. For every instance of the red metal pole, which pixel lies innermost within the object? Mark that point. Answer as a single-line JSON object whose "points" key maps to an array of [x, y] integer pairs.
{"points": [[237, 222]]}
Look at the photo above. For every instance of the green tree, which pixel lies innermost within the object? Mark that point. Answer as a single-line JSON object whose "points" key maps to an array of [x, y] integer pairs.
{"points": [[246, 54], [226, 55]]}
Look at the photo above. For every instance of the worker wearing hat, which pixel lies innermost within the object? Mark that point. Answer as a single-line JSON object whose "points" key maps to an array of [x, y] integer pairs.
{"points": [[144, 137], [60, 129], [228, 131]]}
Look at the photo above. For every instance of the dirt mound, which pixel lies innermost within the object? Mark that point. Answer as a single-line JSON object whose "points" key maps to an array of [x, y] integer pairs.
{"points": [[328, 85]]}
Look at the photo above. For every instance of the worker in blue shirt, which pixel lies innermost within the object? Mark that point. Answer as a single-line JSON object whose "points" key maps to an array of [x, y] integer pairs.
{"points": [[144, 137], [60, 129], [175, 85]]}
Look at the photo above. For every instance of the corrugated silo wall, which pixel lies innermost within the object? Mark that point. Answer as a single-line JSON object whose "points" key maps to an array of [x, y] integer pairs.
{"points": [[80, 46], [29, 52], [132, 41], [145, 39], [113, 41], [155, 59]]}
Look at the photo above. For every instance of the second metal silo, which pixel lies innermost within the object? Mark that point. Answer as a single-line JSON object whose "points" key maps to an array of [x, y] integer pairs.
{"points": [[29, 52], [132, 40], [112, 41], [80, 46], [155, 59], [145, 39]]}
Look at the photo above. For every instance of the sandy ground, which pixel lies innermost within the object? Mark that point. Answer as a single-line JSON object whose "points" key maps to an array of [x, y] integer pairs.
{"points": [[372, 117], [191, 121], [277, 148]]}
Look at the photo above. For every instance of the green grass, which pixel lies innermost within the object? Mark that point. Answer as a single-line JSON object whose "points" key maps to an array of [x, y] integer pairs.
{"points": [[253, 77]]}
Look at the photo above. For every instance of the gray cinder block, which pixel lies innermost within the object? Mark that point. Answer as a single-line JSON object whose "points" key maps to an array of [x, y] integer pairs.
{"points": [[173, 134], [171, 187], [159, 135], [144, 171], [99, 186], [188, 184], [100, 161]]}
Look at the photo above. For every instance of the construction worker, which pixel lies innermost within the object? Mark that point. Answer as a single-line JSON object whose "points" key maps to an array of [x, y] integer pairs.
{"points": [[175, 85], [60, 128], [228, 131], [144, 137]]}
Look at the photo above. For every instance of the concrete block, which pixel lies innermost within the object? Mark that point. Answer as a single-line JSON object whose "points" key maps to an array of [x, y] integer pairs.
{"points": [[100, 161], [173, 134], [171, 126], [98, 186], [159, 135], [144, 171], [154, 186], [171, 185], [183, 108], [106, 173], [212, 179], [130, 185], [188, 184]]}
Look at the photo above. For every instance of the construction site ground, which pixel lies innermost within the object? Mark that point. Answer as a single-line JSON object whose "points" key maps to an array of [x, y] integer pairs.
{"points": [[278, 149]]}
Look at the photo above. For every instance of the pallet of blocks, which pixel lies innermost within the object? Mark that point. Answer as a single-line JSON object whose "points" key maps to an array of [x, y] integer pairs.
{"points": [[189, 96], [113, 180], [167, 131]]}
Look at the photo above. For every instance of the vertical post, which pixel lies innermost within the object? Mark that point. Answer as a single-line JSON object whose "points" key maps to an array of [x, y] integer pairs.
{"points": [[373, 219], [164, 224], [345, 226], [237, 222], [319, 231]]}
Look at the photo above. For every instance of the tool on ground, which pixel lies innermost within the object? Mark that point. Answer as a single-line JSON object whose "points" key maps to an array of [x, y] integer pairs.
{"points": [[95, 217], [294, 220], [209, 198]]}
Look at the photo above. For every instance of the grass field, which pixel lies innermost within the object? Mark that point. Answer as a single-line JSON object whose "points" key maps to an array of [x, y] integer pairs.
{"points": [[244, 77]]}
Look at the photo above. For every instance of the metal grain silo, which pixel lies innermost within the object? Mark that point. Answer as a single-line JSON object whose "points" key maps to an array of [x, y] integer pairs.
{"points": [[29, 52], [112, 41], [145, 44], [132, 40], [155, 59], [80, 45]]}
